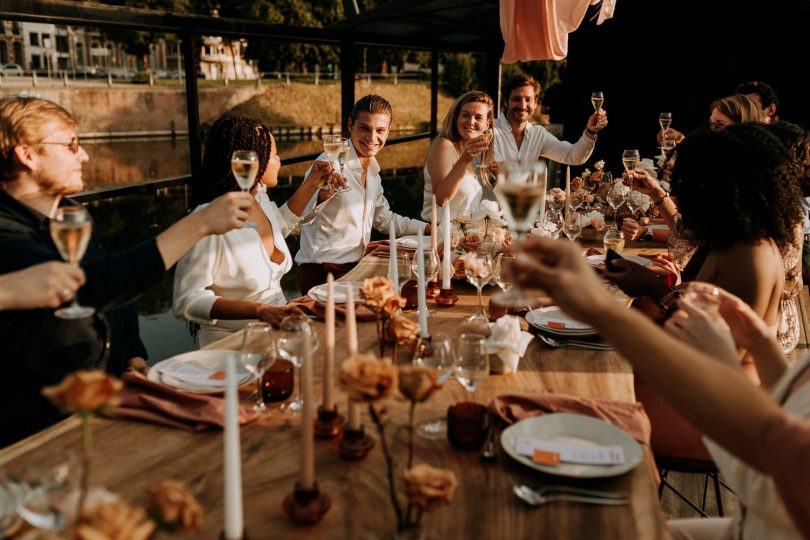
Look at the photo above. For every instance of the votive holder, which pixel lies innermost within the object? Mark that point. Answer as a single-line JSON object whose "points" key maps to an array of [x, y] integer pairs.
{"points": [[354, 444], [328, 423], [306, 506], [446, 298], [467, 424]]}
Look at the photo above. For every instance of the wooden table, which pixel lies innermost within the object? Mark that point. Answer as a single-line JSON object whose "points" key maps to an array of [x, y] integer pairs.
{"points": [[130, 457]]}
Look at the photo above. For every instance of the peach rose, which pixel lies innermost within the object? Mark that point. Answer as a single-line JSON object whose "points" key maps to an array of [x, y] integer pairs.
{"points": [[175, 507], [475, 265], [85, 392], [429, 487], [459, 270], [367, 378], [557, 193], [599, 165], [375, 291], [596, 176], [402, 328], [417, 383], [393, 304], [471, 241], [502, 236], [456, 237], [113, 520], [577, 183], [598, 223]]}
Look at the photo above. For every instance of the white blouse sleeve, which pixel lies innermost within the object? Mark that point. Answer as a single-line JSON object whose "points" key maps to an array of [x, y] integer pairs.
{"points": [[288, 220], [193, 299]]}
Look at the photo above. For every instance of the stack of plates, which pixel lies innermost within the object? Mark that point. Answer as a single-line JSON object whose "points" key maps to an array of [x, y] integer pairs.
{"points": [[553, 320], [412, 241], [319, 292], [202, 371]]}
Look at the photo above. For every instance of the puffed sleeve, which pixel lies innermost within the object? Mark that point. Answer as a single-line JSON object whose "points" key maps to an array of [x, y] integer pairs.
{"points": [[194, 275]]}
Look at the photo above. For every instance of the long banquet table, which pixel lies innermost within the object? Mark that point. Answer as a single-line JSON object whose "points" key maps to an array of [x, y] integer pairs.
{"points": [[129, 457]]}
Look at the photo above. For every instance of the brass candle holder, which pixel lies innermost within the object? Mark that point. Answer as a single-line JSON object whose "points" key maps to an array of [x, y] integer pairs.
{"points": [[446, 298], [354, 444], [328, 424], [306, 506]]}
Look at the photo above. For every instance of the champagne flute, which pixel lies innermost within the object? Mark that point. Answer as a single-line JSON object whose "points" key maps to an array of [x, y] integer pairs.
{"points": [[295, 329], [437, 353], [705, 297], [343, 157], [71, 230], [572, 227], [616, 196], [664, 120], [332, 145], [480, 168], [613, 239], [472, 362], [630, 160], [597, 99], [258, 355], [245, 168]]}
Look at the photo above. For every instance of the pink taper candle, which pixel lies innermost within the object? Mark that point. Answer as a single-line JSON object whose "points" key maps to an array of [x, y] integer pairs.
{"points": [[232, 459], [307, 417], [434, 239], [329, 348], [447, 252], [351, 344]]}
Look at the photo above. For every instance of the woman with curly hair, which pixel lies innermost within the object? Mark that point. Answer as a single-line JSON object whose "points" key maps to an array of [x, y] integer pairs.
{"points": [[449, 170], [227, 280]]}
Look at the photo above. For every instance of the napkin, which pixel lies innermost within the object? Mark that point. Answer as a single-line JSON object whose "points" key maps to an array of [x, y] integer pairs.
{"points": [[382, 248], [508, 342], [629, 417], [142, 399], [318, 309]]}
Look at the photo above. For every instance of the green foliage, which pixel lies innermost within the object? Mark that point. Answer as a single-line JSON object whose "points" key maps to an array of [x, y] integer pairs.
{"points": [[545, 71], [459, 73]]}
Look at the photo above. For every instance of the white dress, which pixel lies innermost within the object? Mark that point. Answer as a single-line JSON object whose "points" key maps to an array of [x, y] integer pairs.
{"points": [[466, 198], [236, 266]]}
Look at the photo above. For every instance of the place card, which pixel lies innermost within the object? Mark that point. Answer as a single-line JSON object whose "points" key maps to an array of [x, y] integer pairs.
{"points": [[584, 454], [193, 373]]}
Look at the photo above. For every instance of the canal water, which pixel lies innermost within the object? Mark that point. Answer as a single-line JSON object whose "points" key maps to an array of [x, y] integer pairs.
{"points": [[125, 221]]}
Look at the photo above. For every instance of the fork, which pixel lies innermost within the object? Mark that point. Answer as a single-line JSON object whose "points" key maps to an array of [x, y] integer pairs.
{"points": [[597, 346], [535, 498]]}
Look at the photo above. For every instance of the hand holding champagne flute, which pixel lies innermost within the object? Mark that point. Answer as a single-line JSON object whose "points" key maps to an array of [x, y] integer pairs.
{"points": [[71, 229], [245, 168], [597, 100]]}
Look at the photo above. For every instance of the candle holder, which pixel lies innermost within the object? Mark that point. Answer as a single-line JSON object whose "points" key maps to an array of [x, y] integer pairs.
{"points": [[433, 290], [446, 298], [243, 537], [354, 444], [306, 506], [328, 424]]}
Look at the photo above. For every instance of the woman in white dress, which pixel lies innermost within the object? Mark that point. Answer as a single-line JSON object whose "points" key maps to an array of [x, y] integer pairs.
{"points": [[227, 280], [449, 170]]}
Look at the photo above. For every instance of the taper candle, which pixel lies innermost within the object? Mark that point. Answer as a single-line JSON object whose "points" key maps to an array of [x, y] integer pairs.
{"points": [[329, 348], [393, 270], [421, 297], [307, 417], [434, 233], [232, 459], [351, 344], [447, 248]]}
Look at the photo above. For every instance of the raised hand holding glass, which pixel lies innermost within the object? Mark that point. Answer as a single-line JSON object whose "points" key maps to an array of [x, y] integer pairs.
{"points": [[70, 230]]}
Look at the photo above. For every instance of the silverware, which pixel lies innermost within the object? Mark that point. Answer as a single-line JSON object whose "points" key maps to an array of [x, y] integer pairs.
{"points": [[596, 346], [547, 494], [488, 453]]}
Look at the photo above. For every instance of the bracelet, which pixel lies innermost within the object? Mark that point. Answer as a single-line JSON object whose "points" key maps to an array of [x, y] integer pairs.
{"points": [[669, 303], [661, 199], [589, 132]]}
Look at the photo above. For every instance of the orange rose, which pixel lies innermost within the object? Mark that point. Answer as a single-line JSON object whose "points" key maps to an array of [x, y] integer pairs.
{"points": [[417, 383], [471, 242], [393, 304], [375, 291], [402, 328], [173, 505], [85, 392], [459, 270], [429, 487], [577, 183], [111, 520], [367, 378]]}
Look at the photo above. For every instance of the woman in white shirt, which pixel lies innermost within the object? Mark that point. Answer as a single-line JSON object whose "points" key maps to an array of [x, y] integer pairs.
{"points": [[227, 280], [449, 172]]}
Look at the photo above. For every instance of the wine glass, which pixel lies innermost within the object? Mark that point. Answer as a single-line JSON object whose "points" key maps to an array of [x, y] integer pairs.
{"points": [[578, 199], [71, 230], [481, 168], [403, 269], [296, 331], [613, 239], [630, 159], [342, 158], [472, 361], [597, 99], [634, 201], [572, 226], [436, 353], [501, 271], [431, 266], [478, 269], [616, 196], [556, 201], [245, 167], [258, 354], [664, 120], [46, 493]]}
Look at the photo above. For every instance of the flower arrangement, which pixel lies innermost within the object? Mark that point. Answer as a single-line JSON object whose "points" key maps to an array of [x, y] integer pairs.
{"points": [[101, 515], [378, 294], [369, 379]]}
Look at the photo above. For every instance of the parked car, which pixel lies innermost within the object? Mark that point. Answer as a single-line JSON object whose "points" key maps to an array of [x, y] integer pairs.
{"points": [[13, 70]]}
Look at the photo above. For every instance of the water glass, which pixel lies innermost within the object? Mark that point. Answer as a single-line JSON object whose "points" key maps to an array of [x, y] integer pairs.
{"points": [[616, 196], [47, 493], [437, 353], [257, 355], [472, 361], [296, 334], [572, 227]]}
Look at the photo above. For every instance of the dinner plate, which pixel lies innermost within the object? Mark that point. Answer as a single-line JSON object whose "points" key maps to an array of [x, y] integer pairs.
{"points": [[208, 359], [596, 260], [413, 241], [319, 292], [573, 429], [561, 323]]}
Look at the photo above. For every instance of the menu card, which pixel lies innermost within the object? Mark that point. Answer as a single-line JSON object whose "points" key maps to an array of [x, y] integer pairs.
{"points": [[553, 452]]}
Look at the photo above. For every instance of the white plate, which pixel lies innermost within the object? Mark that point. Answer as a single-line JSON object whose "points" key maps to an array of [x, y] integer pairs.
{"points": [[318, 292], [211, 359], [413, 241], [540, 318], [596, 260], [573, 429]]}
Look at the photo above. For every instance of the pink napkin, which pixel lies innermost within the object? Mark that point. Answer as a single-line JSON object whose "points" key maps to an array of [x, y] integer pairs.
{"points": [[382, 248], [149, 401], [629, 417], [318, 309]]}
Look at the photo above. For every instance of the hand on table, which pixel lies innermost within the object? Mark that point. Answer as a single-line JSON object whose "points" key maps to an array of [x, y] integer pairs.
{"points": [[275, 314], [632, 229]]}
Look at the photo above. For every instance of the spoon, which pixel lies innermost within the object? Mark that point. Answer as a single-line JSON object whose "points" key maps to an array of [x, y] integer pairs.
{"points": [[488, 453]]}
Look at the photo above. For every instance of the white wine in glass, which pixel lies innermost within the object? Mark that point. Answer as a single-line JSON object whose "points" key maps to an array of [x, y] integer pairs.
{"points": [[631, 159], [613, 239], [245, 168], [597, 100], [71, 230], [665, 119], [331, 145]]}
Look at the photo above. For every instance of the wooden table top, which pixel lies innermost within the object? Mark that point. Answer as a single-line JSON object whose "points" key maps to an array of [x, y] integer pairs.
{"points": [[129, 457]]}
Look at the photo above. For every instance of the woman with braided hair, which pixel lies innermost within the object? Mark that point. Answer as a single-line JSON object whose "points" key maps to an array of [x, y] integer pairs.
{"points": [[227, 280]]}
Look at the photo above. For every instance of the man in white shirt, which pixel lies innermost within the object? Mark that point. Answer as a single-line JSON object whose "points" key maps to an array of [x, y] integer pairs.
{"points": [[516, 138], [337, 239]]}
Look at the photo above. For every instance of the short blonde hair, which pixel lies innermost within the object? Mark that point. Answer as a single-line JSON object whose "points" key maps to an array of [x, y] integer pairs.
{"points": [[21, 122], [738, 108]]}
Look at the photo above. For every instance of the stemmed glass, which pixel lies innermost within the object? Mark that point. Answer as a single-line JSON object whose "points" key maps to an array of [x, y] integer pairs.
{"points": [[572, 227], [556, 202], [258, 355], [245, 168], [480, 167], [295, 330], [472, 362], [630, 160], [403, 269], [337, 153], [577, 199], [44, 493], [71, 230], [342, 158], [634, 202], [664, 120], [616, 196], [479, 272], [501, 273], [613, 239], [437, 354], [597, 99]]}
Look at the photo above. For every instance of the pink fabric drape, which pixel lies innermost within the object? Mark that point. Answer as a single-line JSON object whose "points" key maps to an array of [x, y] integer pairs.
{"points": [[538, 29]]}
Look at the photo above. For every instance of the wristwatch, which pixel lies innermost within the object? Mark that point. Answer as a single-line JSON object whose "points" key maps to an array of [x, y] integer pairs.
{"points": [[648, 234], [661, 199]]}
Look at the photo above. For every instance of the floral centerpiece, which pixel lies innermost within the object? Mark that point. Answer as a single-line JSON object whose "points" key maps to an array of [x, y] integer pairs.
{"points": [[368, 379], [379, 296]]}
